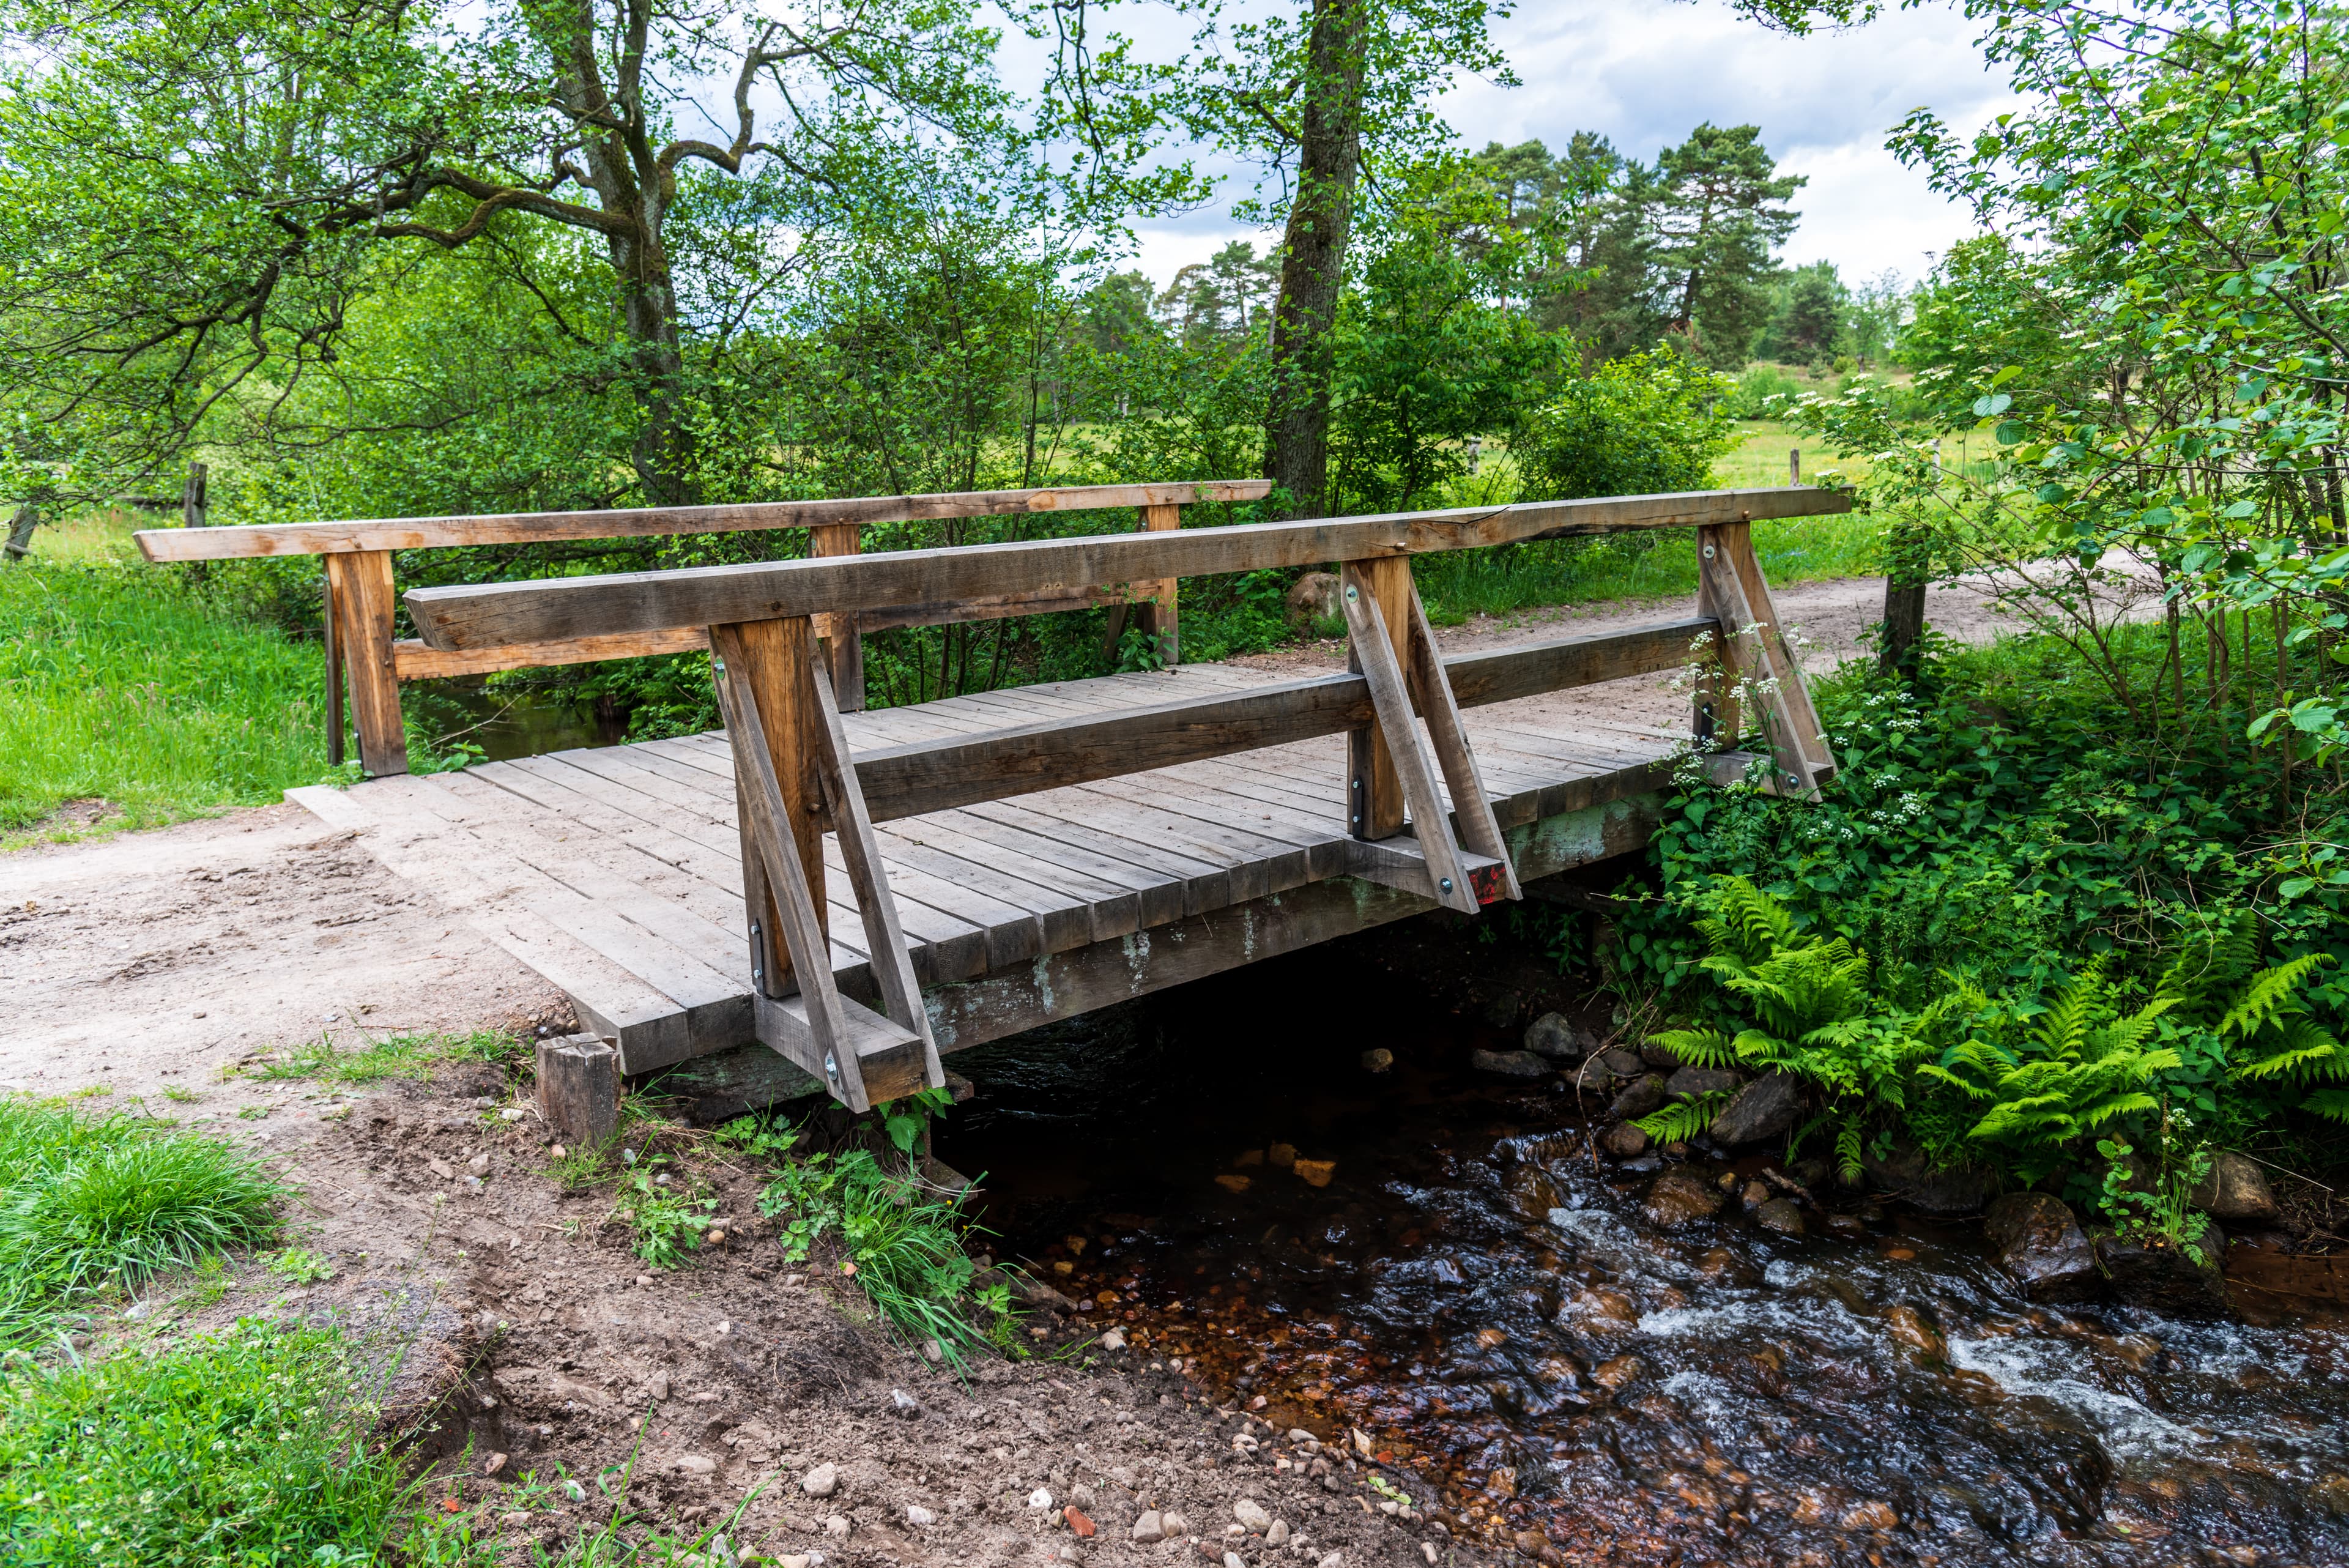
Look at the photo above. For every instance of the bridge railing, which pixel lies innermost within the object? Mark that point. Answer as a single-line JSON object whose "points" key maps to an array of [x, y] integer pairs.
{"points": [[796, 779], [362, 599]]}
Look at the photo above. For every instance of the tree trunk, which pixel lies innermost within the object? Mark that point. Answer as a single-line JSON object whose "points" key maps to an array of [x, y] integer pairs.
{"points": [[662, 453], [1904, 623], [1313, 257]]}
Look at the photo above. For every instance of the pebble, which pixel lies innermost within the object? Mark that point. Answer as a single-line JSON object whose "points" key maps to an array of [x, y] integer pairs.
{"points": [[1780, 1214], [1377, 1061], [1114, 1340], [493, 1464], [1251, 1512], [1334, 1560], [1080, 1524], [441, 1168], [1232, 1183], [917, 1516], [1278, 1534], [1427, 1550], [793, 1560], [837, 1527], [696, 1465], [821, 1482], [1871, 1516], [1234, 1560], [1149, 1527], [659, 1384], [1315, 1172], [479, 1164], [905, 1404], [1039, 1499], [513, 1113], [1173, 1523]]}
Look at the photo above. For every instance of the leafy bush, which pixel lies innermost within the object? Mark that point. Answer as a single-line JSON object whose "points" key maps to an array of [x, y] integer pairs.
{"points": [[1642, 425], [2008, 932]]}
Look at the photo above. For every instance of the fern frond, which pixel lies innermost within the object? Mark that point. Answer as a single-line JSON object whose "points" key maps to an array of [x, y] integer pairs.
{"points": [[2269, 993], [1686, 1119], [1763, 1049], [1698, 1047], [1795, 1144], [1848, 1150], [2095, 1116], [2330, 1103], [1755, 923], [1939, 1074], [2293, 1059]]}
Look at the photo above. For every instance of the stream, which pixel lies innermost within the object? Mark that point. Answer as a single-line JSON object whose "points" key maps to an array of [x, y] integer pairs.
{"points": [[1474, 1289]]}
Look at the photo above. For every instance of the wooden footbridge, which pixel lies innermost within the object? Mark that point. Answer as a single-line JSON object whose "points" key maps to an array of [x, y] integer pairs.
{"points": [[860, 891]]}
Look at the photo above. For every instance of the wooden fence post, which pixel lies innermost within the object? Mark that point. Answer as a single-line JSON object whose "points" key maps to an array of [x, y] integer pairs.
{"points": [[1159, 615], [1755, 658], [771, 658], [843, 637], [331, 628], [192, 506], [360, 592], [1375, 798], [579, 1088]]}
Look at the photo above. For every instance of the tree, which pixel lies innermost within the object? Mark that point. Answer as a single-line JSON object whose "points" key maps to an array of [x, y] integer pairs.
{"points": [[1717, 228], [194, 196], [1807, 319], [1225, 300]]}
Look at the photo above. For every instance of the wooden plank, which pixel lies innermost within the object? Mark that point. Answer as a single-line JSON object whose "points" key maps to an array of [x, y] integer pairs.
{"points": [[909, 777], [774, 661], [361, 592], [901, 995], [1266, 857], [639, 521], [333, 648], [1065, 984], [1397, 733], [494, 615], [1161, 615], [1207, 879], [882, 1059], [843, 635], [1764, 669], [1156, 894], [1806, 737], [1374, 790], [412, 660]]}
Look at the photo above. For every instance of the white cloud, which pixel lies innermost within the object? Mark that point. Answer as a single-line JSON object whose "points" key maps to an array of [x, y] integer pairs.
{"points": [[1644, 73]]}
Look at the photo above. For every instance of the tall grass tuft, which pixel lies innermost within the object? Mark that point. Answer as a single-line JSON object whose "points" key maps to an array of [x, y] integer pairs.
{"points": [[91, 1203]]}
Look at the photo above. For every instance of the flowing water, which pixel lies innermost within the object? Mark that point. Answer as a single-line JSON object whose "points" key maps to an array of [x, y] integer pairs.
{"points": [[1477, 1292]]}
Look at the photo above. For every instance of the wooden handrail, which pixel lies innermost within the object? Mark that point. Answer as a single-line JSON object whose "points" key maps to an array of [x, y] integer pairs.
{"points": [[495, 615], [639, 521]]}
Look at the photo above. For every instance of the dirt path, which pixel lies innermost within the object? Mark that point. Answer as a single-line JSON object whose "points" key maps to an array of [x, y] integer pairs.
{"points": [[149, 962]]}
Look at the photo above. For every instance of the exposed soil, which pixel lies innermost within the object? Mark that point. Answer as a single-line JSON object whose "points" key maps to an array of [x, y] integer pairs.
{"points": [[536, 1341]]}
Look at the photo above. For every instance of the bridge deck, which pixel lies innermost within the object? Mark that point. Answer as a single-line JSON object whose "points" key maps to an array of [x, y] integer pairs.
{"points": [[615, 872]]}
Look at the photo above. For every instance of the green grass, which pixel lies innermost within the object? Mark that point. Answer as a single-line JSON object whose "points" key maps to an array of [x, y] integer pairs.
{"points": [[89, 1203], [399, 1056], [134, 685]]}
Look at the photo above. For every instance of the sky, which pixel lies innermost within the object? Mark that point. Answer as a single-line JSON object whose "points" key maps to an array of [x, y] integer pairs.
{"points": [[1644, 73]]}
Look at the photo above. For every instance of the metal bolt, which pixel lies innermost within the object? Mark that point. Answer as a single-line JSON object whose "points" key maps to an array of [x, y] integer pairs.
{"points": [[832, 1066], [1358, 819], [1358, 785], [1708, 552], [758, 949], [1352, 592], [1446, 884]]}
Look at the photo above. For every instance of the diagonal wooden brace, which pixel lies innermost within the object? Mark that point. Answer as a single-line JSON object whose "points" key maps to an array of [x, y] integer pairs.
{"points": [[1390, 700], [885, 937], [1471, 808]]}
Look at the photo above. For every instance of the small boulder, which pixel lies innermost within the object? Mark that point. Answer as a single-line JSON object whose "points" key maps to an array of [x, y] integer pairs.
{"points": [[1659, 1056], [1621, 1063], [1678, 1197], [919, 1517], [1624, 1141], [1315, 1172], [1149, 1527], [2042, 1247], [1645, 1097], [838, 1527], [1910, 1175], [1252, 1513], [2152, 1274], [821, 1482], [1691, 1083], [1314, 597], [1764, 1108], [1510, 1064], [2235, 1191], [1554, 1035], [1780, 1214], [1377, 1061], [1502, 1008], [1173, 1523]]}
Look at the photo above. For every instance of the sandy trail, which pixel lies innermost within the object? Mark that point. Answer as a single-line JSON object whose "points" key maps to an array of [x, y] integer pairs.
{"points": [[152, 962]]}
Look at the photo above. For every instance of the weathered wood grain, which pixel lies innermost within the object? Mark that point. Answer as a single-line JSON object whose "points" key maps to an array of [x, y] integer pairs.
{"points": [[621, 523], [361, 593], [552, 610], [412, 660]]}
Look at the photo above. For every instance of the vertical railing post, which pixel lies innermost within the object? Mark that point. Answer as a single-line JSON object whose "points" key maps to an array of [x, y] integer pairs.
{"points": [[1159, 615], [843, 639], [363, 602], [1375, 798], [1756, 659], [771, 660]]}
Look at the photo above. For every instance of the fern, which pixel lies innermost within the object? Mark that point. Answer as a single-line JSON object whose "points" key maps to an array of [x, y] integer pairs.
{"points": [[1847, 1150], [1698, 1047], [1685, 1119], [2264, 1000], [2330, 1103]]}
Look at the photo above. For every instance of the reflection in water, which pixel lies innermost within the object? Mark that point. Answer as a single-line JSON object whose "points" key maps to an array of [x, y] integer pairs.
{"points": [[1476, 1290]]}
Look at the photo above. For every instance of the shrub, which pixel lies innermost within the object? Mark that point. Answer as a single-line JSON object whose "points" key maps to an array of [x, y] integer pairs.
{"points": [[1642, 425]]}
